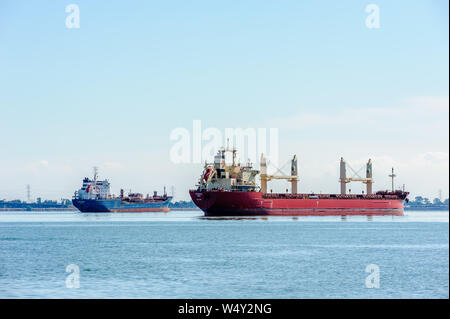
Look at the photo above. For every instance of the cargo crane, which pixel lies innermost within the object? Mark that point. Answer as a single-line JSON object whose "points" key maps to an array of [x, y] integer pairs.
{"points": [[293, 178], [368, 180]]}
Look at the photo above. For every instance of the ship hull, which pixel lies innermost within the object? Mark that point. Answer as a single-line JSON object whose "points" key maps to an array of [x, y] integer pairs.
{"points": [[216, 203], [117, 205]]}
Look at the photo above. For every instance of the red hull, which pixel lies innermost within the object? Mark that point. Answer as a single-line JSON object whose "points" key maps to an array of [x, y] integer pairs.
{"points": [[221, 203]]}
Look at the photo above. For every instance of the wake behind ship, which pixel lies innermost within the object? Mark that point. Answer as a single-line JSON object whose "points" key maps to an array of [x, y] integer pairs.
{"points": [[94, 196], [231, 190]]}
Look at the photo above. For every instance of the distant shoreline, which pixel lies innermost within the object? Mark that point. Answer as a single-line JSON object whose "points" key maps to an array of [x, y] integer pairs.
{"points": [[73, 209], [3, 209], [69, 209], [445, 208]]}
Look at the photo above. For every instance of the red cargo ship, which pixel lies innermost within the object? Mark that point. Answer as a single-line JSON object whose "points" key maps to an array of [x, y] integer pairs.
{"points": [[232, 191]]}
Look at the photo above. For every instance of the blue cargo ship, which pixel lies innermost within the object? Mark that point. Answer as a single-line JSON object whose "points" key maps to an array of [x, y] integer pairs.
{"points": [[94, 196]]}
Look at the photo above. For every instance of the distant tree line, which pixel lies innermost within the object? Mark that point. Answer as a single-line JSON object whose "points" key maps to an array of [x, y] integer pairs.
{"points": [[39, 203], [183, 204], [420, 202]]}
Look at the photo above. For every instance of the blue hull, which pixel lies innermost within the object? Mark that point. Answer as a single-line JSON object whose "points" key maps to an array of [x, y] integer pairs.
{"points": [[117, 205]]}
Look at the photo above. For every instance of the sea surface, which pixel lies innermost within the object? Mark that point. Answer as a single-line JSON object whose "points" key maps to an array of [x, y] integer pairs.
{"points": [[181, 254]]}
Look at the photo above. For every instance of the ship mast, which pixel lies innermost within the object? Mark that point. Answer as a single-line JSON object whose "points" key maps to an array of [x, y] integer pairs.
{"points": [[231, 150], [95, 173], [392, 176]]}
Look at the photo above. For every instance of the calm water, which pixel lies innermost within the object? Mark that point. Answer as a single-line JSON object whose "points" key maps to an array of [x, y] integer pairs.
{"points": [[182, 255]]}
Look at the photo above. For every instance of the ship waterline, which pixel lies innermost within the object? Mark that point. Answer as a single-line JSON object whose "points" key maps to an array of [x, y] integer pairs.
{"points": [[118, 205]]}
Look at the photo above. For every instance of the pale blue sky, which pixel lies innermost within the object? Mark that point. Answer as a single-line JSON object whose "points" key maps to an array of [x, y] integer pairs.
{"points": [[112, 91]]}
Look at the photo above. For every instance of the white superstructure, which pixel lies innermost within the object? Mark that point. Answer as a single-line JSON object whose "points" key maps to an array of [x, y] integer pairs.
{"points": [[93, 188]]}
